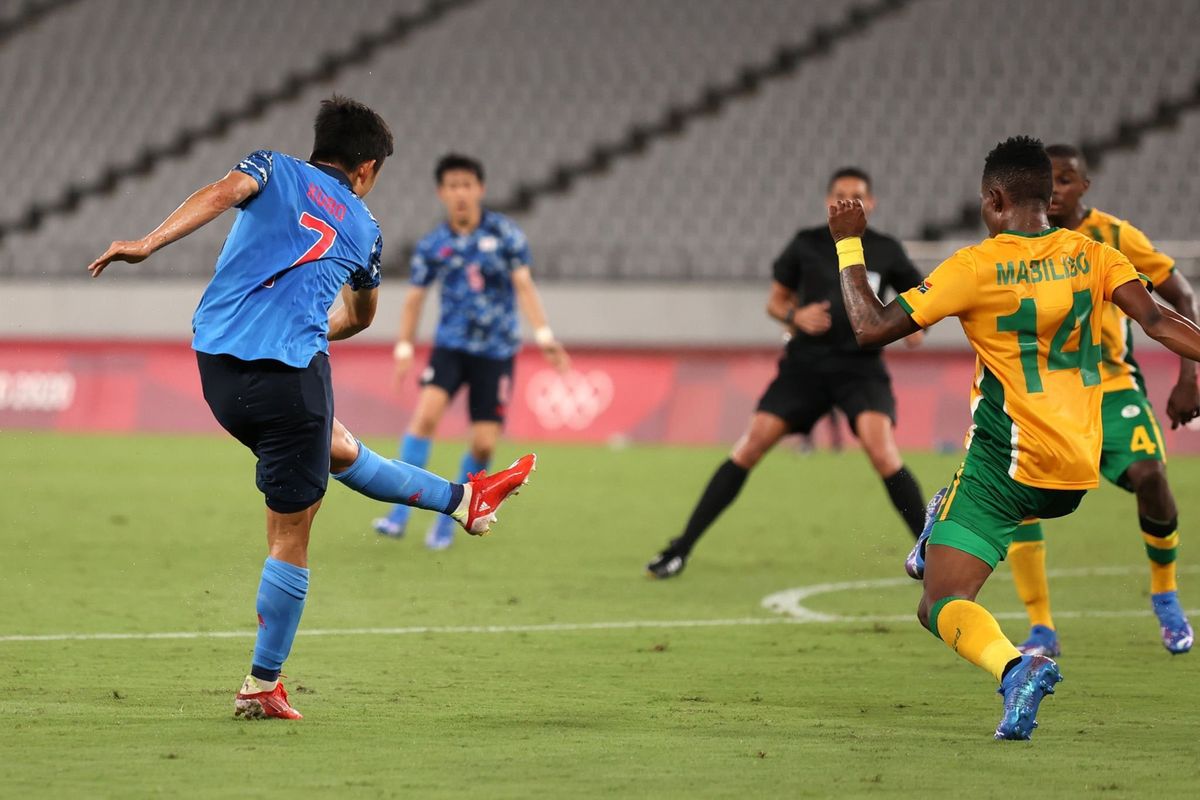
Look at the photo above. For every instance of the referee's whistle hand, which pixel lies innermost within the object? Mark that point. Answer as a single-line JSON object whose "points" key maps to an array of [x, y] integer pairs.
{"points": [[847, 218], [813, 319]]}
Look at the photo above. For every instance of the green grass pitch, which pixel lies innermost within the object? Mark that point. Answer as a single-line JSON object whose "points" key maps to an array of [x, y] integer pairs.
{"points": [[143, 535]]}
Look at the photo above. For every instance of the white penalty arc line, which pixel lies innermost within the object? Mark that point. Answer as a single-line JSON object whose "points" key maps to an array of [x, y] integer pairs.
{"points": [[790, 602], [787, 603]]}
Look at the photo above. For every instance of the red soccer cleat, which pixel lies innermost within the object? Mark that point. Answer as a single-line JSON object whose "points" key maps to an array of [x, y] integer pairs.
{"points": [[489, 491], [252, 704]]}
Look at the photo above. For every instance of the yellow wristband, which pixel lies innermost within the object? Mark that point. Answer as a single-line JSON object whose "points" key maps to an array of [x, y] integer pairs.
{"points": [[850, 253]]}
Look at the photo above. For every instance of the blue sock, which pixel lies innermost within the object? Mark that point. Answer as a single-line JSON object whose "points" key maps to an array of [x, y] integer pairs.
{"points": [[397, 482], [280, 603], [470, 464], [413, 450]]}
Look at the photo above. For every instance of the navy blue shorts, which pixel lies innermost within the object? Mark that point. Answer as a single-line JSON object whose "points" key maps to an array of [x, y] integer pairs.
{"points": [[806, 390], [283, 414], [488, 380]]}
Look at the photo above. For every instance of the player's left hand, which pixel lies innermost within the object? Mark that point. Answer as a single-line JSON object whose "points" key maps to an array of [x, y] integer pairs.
{"points": [[556, 354], [847, 218], [1183, 406], [129, 252]]}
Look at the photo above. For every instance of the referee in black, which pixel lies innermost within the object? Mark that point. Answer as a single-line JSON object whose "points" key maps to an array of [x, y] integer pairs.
{"points": [[822, 367]]}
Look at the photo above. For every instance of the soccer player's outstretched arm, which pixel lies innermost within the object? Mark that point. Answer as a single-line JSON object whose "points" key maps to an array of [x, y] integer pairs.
{"points": [[1170, 329], [873, 322], [531, 306], [201, 208]]}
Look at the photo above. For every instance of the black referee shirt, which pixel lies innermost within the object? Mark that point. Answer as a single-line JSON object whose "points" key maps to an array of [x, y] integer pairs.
{"points": [[809, 266]]}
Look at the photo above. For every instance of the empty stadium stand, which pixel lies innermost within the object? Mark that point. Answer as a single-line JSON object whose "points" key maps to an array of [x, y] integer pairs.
{"points": [[916, 96]]}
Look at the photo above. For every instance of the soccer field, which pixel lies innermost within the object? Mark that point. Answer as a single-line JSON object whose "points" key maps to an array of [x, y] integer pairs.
{"points": [[515, 665]]}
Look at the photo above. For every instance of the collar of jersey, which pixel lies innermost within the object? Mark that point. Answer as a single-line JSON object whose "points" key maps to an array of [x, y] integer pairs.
{"points": [[336, 173], [483, 218], [1046, 232]]}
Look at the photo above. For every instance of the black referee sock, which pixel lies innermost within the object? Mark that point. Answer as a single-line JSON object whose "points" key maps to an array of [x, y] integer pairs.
{"points": [[721, 491], [907, 498]]}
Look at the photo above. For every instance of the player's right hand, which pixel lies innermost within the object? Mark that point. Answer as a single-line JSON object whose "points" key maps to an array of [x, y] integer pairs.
{"points": [[129, 252], [847, 218], [813, 319]]}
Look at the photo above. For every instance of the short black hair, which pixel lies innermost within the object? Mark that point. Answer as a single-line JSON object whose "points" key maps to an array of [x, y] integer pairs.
{"points": [[1021, 166], [849, 172], [1069, 151], [348, 133], [457, 161]]}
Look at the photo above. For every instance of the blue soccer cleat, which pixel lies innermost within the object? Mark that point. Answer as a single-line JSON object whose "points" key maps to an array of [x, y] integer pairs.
{"points": [[1177, 634], [386, 526], [1042, 641], [441, 535], [914, 565], [1023, 688]]}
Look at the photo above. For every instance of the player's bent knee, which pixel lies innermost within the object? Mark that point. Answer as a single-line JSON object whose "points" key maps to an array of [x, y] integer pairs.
{"points": [[748, 453], [424, 427], [1147, 477], [923, 613]]}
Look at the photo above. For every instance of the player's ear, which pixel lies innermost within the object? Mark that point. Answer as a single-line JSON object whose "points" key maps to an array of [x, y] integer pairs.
{"points": [[994, 199]]}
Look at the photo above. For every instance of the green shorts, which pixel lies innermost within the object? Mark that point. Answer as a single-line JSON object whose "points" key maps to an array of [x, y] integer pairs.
{"points": [[1131, 433], [984, 507]]}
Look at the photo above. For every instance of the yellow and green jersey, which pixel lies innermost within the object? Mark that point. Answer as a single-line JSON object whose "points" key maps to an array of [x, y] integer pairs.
{"points": [[1031, 307], [1120, 371]]}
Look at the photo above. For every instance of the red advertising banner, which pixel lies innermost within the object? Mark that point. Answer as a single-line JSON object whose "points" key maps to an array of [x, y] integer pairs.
{"points": [[676, 396]]}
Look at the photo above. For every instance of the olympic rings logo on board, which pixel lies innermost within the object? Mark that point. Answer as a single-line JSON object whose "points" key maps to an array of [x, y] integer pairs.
{"points": [[573, 401]]}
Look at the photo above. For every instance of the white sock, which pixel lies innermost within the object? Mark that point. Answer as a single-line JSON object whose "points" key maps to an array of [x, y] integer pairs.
{"points": [[253, 685], [464, 505]]}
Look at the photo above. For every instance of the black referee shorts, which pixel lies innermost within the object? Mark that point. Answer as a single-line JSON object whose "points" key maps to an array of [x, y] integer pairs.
{"points": [[488, 381], [283, 414], [805, 390]]}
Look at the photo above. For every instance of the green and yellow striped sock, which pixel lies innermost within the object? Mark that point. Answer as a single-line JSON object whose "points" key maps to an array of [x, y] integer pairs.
{"points": [[1162, 547]]}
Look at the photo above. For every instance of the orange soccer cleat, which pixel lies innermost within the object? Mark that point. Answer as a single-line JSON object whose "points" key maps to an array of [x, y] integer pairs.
{"points": [[253, 704], [489, 491]]}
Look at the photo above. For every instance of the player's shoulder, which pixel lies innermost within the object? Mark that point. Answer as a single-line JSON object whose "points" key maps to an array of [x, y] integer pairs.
{"points": [[1098, 216], [500, 225], [434, 239]]}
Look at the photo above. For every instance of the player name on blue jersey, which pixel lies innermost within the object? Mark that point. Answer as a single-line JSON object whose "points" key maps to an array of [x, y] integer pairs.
{"points": [[293, 246], [478, 308]]}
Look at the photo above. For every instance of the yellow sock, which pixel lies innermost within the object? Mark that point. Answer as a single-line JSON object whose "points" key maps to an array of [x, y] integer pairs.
{"points": [[1027, 560], [1162, 551], [972, 632]]}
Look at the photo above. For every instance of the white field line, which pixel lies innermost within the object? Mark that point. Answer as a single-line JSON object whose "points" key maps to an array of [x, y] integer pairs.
{"points": [[787, 602]]}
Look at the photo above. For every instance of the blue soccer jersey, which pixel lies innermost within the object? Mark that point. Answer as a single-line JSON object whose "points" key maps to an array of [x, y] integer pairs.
{"points": [[478, 305], [293, 246]]}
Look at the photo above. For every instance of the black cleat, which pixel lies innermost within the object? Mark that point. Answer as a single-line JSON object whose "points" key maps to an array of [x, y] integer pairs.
{"points": [[667, 564]]}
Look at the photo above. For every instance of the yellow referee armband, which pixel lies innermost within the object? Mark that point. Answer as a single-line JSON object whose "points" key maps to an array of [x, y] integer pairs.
{"points": [[850, 252]]}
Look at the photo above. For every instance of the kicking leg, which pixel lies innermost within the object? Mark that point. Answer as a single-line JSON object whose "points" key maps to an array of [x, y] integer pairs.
{"points": [[764, 432], [473, 505], [1158, 518], [875, 431]]}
